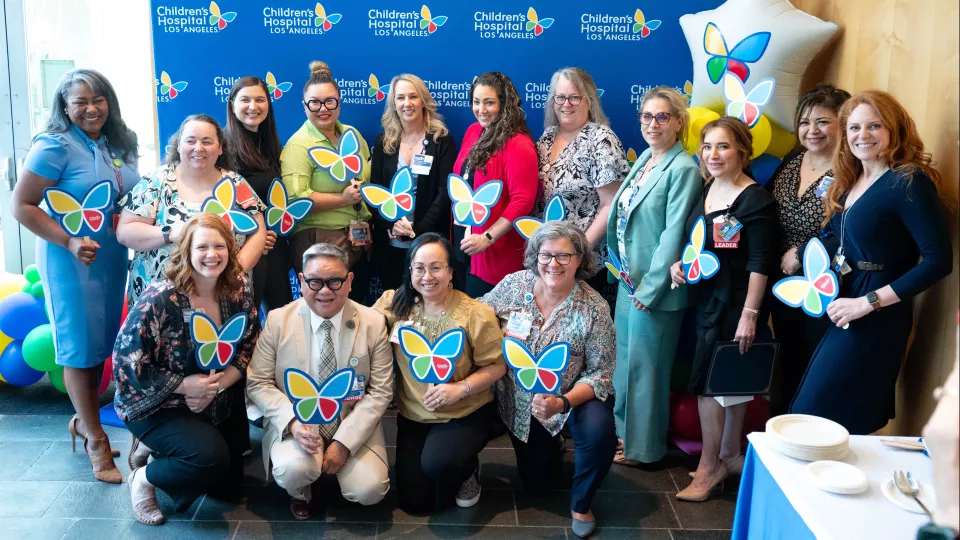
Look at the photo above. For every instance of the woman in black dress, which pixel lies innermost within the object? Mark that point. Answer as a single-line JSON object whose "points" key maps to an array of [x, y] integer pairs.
{"points": [[730, 303]]}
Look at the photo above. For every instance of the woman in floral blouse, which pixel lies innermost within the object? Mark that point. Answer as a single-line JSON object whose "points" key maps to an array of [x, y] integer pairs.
{"points": [[547, 303], [191, 421]]}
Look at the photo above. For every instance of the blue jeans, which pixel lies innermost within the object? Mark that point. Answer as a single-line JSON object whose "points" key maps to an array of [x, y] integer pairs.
{"points": [[540, 459]]}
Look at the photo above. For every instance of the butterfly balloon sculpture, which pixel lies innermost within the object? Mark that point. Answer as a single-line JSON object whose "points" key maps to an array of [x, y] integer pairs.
{"points": [[224, 204], [472, 208], [698, 263], [746, 106], [282, 214], [555, 211], [76, 218], [216, 346], [541, 374], [613, 265], [723, 60], [345, 163], [396, 203], [432, 363], [816, 288], [317, 403]]}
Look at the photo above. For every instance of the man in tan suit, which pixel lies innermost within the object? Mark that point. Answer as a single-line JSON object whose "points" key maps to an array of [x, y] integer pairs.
{"points": [[319, 334]]}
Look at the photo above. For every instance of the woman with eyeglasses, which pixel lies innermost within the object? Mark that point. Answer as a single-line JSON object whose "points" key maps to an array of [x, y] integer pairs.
{"points": [[441, 428], [550, 302], [582, 160], [339, 215], [646, 230]]}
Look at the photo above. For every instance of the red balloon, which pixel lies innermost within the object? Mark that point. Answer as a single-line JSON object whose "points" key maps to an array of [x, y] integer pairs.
{"points": [[758, 412], [685, 416], [107, 374]]}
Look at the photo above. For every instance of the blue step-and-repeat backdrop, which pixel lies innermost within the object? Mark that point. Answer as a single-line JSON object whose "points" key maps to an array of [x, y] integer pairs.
{"points": [[202, 47]]}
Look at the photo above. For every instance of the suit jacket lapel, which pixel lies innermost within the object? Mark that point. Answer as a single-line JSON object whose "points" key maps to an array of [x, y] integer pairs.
{"points": [[657, 173], [348, 334]]}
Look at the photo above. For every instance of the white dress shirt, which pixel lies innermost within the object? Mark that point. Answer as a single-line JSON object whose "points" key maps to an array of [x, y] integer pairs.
{"points": [[317, 339]]}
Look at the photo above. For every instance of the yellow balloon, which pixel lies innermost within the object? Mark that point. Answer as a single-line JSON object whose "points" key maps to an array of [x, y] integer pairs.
{"points": [[781, 142], [699, 117], [762, 133], [10, 285]]}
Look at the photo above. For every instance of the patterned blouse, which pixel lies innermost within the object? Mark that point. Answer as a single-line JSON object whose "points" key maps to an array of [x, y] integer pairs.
{"points": [[800, 218], [592, 160], [622, 207], [156, 196], [582, 320], [154, 351]]}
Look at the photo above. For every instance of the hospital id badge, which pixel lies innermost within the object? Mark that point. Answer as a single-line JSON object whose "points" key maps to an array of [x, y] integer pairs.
{"points": [[518, 325], [421, 164], [359, 233], [823, 187], [726, 233], [245, 196], [357, 391], [839, 263]]}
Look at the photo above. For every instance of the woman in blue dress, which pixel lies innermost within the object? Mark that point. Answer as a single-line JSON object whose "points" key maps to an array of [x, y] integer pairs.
{"points": [[883, 216], [84, 142]]}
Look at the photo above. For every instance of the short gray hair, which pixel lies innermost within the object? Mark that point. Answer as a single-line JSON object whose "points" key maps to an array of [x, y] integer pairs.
{"points": [[326, 250], [555, 230], [584, 83]]}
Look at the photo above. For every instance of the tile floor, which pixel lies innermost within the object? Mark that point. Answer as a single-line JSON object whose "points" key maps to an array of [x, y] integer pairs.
{"points": [[48, 492]]}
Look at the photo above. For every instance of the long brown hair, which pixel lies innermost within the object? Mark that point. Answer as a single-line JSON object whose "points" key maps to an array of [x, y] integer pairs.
{"points": [[742, 140], [511, 120], [180, 269], [239, 139], [905, 154]]}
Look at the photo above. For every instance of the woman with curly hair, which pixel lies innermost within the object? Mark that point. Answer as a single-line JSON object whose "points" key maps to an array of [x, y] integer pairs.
{"points": [[497, 147], [887, 232]]}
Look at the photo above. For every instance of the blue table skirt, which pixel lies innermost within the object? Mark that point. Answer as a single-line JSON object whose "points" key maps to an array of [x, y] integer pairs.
{"points": [[763, 511]]}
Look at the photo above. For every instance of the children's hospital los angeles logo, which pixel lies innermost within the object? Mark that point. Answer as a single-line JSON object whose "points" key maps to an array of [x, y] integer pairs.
{"points": [[287, 20], [223, 84], [362, 92], [394, 23], [168, 90], [608, 27], [212, 19], [500, 25]]}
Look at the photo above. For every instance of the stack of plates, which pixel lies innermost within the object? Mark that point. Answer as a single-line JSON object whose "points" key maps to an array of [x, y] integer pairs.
{"points": [[809, 438]]}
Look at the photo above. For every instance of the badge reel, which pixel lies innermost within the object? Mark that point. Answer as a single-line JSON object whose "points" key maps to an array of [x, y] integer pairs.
{"points": [[518, 325]]}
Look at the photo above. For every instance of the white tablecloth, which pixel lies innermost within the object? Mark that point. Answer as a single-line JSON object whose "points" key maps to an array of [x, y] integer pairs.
{"points": [[868, 515]]}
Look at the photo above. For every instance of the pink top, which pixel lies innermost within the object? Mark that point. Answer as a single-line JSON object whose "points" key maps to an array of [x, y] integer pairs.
{"points": [[516, 166]]}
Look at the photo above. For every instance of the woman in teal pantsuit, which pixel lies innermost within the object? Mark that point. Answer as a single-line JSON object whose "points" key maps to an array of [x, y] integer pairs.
{"points": [[646, 231]]}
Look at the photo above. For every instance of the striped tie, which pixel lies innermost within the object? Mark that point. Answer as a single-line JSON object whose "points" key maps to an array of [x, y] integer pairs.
{"points": [[328, 364]]}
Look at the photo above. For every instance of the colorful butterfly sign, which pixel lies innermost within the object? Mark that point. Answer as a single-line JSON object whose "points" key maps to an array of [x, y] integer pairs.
{"points": [[723, 60], [537, 24], [472, 208], [555, 211], [541, 374], [432, 363], [315, 403], [224, 204], [343, 165], [640, 24], [220, 19], [76, 218], [816, 288], [396, 203], [746, 106], [613, 265], [430, 23], [282, 214], [323, 20], [216, 346], [698, 263]]}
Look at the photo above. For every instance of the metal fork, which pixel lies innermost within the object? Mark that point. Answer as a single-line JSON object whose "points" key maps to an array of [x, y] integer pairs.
{"points": [[909, 487]]}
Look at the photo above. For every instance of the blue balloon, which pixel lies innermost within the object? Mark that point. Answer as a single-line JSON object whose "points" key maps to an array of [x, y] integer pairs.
{"points": [[763, 167], [14, 369], [20, 313]]}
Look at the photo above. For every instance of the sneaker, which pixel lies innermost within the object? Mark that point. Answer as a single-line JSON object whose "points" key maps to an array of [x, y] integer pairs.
{"points": [[468, 494]]}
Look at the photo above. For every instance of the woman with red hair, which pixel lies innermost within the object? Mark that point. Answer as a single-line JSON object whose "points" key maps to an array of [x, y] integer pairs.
{"points": [[887, 236]]}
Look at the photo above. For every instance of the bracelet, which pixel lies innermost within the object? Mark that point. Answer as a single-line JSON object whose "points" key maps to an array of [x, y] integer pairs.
{"points": [[469, 388], [753, 312], [566, 403]]}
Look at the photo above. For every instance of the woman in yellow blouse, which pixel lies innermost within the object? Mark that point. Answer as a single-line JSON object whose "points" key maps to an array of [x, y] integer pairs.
{"points": [[442, 428]]}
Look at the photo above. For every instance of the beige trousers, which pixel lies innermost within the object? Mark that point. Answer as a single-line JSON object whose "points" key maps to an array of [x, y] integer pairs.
{"points": [[363, 478]]}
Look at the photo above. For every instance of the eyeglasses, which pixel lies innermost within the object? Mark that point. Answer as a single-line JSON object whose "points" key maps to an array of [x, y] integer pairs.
{"points": [[661, 118], [334, 284], [314, 104], [563, 259], [560, 98], [418, 269]]}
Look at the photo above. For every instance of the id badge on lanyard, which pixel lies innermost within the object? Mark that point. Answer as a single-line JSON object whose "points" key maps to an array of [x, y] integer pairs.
{"points": [[726, 232]]}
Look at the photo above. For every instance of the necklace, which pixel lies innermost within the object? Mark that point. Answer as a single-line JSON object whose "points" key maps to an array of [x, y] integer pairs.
{"points": [[814, 168], [722, 195], [417, 140], [432, 330]]}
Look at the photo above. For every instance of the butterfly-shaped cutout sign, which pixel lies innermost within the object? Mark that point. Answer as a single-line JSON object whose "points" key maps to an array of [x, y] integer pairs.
{"points": [[224, 204], [472, 208], [723, 60], [613, 265], [345, 163], [396, 203], [216, 346], [432, 363], [555, 211], [540, 374], [698, 263], [743, 105], [816, 288], [282, 214], [76, 218], [640, 24], [317, 403]]}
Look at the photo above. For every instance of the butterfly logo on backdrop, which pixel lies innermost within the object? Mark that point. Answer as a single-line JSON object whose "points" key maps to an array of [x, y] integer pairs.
{"points": [[554, 211], [816, 288], [223, 203], [216, 346], [80, 218], [284, 214], [688, 89], [375, 90], [536, 24], [616, 268], [472, 208], [432, 363], [317, 403], [275, 89], [723, 60], [323, 20], [169, 88], [219, 19], [698, 263], [540, 374], [631, 156], [743, 105], [643, 26], [430, 23], [599, 92], [396, 202], [343, 165]]}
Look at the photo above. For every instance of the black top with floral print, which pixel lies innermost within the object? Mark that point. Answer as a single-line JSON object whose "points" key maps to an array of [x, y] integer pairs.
{"points": [[800, 218]]}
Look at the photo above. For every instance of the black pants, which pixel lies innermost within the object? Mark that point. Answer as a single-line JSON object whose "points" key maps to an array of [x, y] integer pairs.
{"points": [[799, 335], [434, 459], [271, 277], [477, 287]]}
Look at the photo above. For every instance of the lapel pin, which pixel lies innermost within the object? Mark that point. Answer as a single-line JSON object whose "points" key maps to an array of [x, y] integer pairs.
{"points": [[351, 325]]}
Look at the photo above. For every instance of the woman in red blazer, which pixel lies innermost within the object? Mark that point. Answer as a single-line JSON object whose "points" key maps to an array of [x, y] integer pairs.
{"points": [[497, 147]]}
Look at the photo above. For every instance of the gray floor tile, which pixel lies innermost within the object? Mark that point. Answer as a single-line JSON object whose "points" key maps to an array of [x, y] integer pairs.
{"points": [[106, 501], [258, 503], [701, 534], [34, 528], [449, 532], [716, 513], [654, 477], [124, 529], [499, 469], [18, 456], [60, 463], [386, 511], [39, 427], [28, 499], [608, 533], [612, 509], [306, 530]]}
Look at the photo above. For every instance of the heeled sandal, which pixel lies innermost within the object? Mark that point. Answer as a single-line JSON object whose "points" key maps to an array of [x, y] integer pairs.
{"points": [[74, 433], [144, 502], [733, 467], [691, 494], [104, 469]]}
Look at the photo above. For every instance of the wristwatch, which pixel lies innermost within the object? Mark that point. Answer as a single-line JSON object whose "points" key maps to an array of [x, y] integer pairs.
{"points": [[166, 233], [874, 300], [566, 403]]}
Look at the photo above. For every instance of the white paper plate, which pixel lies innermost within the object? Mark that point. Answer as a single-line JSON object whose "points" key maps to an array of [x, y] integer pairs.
{"points": [[808, 431], [789, 449], [836, 477], [894, 495]]}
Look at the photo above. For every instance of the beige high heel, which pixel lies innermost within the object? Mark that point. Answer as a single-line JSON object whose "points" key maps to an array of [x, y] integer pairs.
{"points": [[691, 494], [104, 469], [74, 433]]}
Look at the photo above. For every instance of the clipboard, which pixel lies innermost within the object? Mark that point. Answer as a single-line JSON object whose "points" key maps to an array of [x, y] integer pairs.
{"points": [[733, 374]]}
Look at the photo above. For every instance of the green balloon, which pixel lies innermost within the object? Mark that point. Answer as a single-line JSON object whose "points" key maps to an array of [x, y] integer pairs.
{"points": [[38, 350], [27, 288], [36, 289], [32, 274], [56, 379]]}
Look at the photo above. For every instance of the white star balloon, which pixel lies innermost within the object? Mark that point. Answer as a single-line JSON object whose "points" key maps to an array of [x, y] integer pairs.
{"points": [[753, 40]]}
